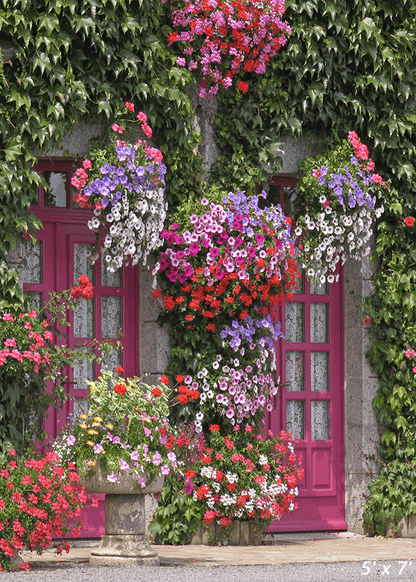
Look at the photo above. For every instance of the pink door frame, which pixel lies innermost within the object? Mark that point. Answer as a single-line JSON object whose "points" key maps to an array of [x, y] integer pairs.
{"points": [[321, 500], [62, 228]]}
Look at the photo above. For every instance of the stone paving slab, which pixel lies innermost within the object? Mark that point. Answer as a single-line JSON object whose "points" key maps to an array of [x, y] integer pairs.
{"points": [[278, 549]]}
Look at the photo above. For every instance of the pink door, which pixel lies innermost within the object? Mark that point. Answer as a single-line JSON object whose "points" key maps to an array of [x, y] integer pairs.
{"points": [[310, 402], [62, 254]]}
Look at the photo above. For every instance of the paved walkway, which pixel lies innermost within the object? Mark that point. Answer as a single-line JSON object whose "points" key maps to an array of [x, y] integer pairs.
{"points": [[284, 548]]}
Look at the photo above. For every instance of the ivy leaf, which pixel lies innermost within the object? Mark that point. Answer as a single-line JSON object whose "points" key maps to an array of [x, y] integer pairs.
{"points": [[368, 25]]}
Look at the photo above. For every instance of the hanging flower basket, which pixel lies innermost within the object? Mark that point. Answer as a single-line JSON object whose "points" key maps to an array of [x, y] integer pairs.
{"points": [[223, 39], [343, 198], [225, 268], [125, 187]]}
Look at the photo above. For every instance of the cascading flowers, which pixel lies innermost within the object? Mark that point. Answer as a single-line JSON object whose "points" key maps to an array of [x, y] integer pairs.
{"points": [[223, 38], [225, 268], [126, 190], [343, 197]]}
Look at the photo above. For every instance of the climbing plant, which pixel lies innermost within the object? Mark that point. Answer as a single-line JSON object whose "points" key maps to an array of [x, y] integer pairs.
{"points": [[80, 59], [348, 65]]}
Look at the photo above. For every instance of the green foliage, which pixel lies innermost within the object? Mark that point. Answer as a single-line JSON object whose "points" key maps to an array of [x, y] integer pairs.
{"points": [[392, 496], [72, 60], [177, 515], [346, 66]]}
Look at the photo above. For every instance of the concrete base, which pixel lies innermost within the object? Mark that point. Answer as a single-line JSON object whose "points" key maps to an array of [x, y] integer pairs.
{"points": [[124, 549]]}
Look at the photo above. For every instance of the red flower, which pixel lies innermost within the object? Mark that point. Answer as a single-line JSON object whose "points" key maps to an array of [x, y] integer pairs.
{"points": [[183, 398], [180, 378], [214, 427], [156, 293], [120, 389], [409, 221], [164, 380], [119, 370], [367, 319], [243, 86], [157, 392]]}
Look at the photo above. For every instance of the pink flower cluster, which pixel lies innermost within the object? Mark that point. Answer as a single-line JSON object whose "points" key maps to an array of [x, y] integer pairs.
{"points": [[35, 341], [225, 37], [220, 235], [361, 152], [40, 500]]}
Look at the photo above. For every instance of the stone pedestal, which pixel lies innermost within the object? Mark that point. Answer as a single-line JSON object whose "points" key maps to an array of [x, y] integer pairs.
{"points": [[125, 541]]}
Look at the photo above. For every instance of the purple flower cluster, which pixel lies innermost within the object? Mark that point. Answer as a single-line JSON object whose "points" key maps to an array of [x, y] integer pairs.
{"points": [[347, 183], [245, 330]]}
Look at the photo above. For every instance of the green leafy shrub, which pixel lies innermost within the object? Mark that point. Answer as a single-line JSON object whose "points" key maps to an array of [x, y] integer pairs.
{"points": [[392, 495]]}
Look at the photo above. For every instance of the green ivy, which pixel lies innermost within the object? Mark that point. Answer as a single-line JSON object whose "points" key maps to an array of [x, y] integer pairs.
{"points": [[392, 496], [61, 62]]}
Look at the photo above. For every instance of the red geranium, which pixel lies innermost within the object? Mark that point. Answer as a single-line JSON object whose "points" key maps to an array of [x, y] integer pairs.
{"points": [[120, 389], [409, 221]]}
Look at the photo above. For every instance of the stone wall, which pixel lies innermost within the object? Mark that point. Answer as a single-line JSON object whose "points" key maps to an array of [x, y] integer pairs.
{"points": [[361, 429]]}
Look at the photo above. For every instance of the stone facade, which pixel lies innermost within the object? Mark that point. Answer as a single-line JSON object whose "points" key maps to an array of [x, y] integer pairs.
{"points": [[360, 384]]}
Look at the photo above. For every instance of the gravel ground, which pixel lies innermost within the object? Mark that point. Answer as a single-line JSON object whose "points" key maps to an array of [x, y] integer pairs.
{"points": [[393, 571]]}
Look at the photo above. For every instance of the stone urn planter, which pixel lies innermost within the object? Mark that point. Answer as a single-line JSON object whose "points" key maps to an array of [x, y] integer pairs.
{"points": [[125, 541]]}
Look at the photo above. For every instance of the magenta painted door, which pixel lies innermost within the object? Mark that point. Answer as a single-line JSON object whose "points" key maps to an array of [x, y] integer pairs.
{"points": [[62, 254], [310, 402]]}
